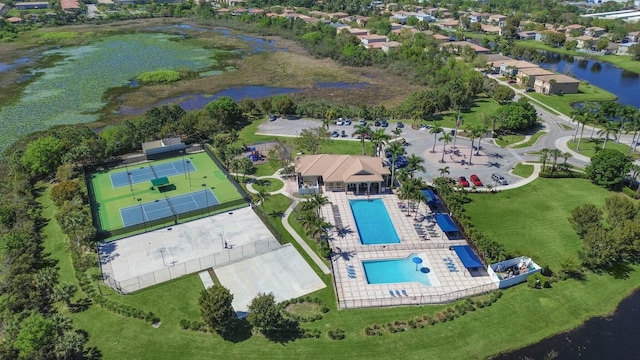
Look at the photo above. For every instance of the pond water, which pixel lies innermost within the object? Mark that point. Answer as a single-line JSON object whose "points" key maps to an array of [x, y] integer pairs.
{"points": [[624, 84], [71, 90], [238, 93], [614, 337]]}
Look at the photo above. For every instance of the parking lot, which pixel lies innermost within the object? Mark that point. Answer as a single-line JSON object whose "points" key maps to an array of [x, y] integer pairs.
{"points": [[491, 159]]}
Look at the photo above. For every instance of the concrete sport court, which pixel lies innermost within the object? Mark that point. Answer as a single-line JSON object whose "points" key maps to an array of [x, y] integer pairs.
{"points": [[147, 259]]}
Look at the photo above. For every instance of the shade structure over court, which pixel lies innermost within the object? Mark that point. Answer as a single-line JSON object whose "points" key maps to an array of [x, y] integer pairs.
{"points": [[467, 256], [432, 198], [446, 223]]}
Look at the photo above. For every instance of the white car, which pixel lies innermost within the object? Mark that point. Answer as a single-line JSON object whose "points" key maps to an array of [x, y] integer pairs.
{"points": [[499, 179]]}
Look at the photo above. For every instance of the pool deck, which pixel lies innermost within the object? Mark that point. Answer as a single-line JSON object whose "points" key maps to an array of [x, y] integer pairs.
{"points": [[352, 288]]}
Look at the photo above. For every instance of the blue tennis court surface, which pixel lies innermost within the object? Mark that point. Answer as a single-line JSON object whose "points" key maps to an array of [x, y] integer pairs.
{"points": [[138, 214], [147, 172]]}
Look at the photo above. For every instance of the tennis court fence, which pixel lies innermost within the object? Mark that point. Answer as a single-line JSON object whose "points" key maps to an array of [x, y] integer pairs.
{"points": [[174, 219], [173, 271]]}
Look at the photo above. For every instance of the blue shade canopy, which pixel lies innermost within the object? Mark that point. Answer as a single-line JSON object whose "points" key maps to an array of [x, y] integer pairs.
{"points": [[467, 256], [432, 198], [446, 223]]}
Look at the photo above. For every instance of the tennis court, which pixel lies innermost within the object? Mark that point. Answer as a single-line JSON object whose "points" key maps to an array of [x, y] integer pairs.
{"points": [[167, 207], [148, 172]]}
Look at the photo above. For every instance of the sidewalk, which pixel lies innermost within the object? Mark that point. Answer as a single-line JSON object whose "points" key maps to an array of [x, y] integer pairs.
{"points": [[285, 221], [561, 144]]}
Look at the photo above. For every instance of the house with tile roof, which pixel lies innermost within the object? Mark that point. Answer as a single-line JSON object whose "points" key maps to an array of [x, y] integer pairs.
{"points": [[359, 174]]}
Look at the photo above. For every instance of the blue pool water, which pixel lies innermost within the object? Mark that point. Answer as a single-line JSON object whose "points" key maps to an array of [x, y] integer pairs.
{"points": [[373, 222], [390, 271]]}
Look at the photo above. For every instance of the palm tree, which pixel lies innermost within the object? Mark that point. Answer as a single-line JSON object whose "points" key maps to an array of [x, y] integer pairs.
{"points": [[419, 197], [317, 201], [64, 292], [362, 130], [582, 120], [475, 132], [576, 114], [396, 149], [397, 132], [608, 129], [634, 126], [544, 156], [435, 130], [444, 171], [627, 114], [596, 119], [481, 131], [565, 156], [261, 196], [70, 345], [379, 138], [446, 139], [555, 154], [414, 163], [406, 192]]}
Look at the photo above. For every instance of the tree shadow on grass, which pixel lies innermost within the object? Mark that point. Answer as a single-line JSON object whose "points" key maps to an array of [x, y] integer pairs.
{"points": [[238, 331], [289, 330], [277, 214], [620, 271]]}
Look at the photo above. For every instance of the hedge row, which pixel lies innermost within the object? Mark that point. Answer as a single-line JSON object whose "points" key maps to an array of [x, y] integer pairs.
{"points": [[448, 314]]}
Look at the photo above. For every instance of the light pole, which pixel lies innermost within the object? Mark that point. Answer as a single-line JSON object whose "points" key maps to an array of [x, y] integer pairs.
{"points": [[129, 180], [184, 166], [188, 172], [206, 196], [144, 221], [162, 254]]}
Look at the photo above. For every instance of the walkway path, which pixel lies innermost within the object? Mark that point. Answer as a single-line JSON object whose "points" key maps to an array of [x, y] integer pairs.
{"points": [[285, 220]]}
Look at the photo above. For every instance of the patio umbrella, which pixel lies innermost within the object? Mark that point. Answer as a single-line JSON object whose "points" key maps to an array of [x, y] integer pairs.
{"points": [[417, 260]]}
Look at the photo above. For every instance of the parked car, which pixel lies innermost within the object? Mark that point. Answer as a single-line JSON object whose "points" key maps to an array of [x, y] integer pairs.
{"points": [[463, 181], [347, 122], [377, 123], [511, 81], [367, 136], [401, 162], [344, 133], [335, 134], [400, 125], [384, 124], [340, 122], [499, 179], [272, 118], [476, 180], [530, 90]]}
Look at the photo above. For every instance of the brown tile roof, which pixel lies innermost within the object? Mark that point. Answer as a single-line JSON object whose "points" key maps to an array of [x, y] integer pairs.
{"points": [[519, 64], [342, 168], [559, 78], [534, 71], [69, 4]]}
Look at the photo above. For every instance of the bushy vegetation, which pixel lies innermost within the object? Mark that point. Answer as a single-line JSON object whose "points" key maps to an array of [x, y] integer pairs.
{"points": [[159, 77]]}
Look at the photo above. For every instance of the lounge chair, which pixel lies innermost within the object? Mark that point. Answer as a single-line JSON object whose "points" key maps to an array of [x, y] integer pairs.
{"points": [[391, 293], [398, 292], [404, 292]]}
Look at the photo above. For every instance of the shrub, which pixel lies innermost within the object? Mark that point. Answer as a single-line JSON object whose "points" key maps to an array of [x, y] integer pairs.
{"points": [[538, 281], [336, 334], [159, 76]]}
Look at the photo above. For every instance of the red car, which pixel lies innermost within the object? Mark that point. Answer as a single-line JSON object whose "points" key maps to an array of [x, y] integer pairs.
{"points": [[476, 180], [463, 181]]}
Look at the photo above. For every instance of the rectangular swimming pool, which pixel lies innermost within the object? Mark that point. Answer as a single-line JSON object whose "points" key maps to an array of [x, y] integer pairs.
{"points": [[391, 271], [373, 222]]}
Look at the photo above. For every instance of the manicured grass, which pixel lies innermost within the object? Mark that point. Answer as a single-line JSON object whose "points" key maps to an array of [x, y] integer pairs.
{"points": [[531, 140], [111, 199], [506, 140], [532, 220], [588, 147], [268, 184], [522, 170], [623, 61], [264, 170], [482, 106], [563, 103], [541, 312]]}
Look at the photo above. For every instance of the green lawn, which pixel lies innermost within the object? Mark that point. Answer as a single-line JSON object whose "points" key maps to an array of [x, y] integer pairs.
{"points": [[523, 170], [482, 106], [623, 61], [111, 199], [532, 220], [268, 184], [531, 140], [563, 103], [481, 333], [506, 140], [588, 146]]}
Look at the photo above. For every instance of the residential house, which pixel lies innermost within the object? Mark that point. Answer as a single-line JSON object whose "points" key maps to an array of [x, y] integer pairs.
{"points": [[526, 35], [360, 174], [31, 5], [357, 32], [474, 17], [594, 31], [574, 28], [14, 20], [339, 15], [510, 67], [449, 24], [255, 11], [497, 19], [441, 38], [491, 29], [70, 6], [457, 46], [390, 45], [368, 40], [556, 84], [319, 14], [585, 42], [399, 17], [425, 17], [623, 49], [633, 36], [527, 76]]}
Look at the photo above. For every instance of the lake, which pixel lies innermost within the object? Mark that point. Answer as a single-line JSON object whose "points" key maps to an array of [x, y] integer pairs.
{"points": [[614, 337], [624, 84]]}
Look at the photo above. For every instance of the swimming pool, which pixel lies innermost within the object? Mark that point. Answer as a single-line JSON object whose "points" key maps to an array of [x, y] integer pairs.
{"points": [[390, 271], [373, 222]]}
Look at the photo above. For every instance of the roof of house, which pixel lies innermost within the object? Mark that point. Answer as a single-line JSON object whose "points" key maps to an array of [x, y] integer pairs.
{"points": [[534, 71], [584, 37], [519, 64], [559, 78], [440, 37], [342, 168], [496, 57], [69, 4], [475, 47], [391, 44], [490, 28], [14, 19], [575, 26], [450, 23]]}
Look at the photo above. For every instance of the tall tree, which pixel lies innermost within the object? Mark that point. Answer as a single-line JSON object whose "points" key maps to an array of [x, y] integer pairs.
{"points": [[414, 163], [435, 130], [362, 131], [216, 309], [446, 139], [608, 168], [379, 138], [396, 149], [311, 140], [609, 129], [264, 314], [226, 112]]}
